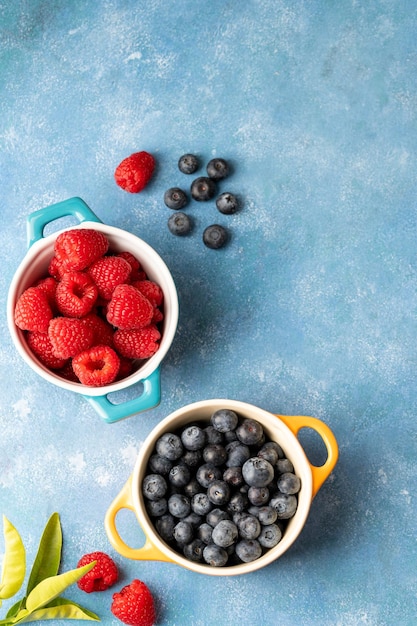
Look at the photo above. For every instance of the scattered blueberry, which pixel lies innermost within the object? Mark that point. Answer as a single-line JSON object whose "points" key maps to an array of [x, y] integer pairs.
{"points": [[180, 224], [217, 169], [227, 203], [215, 236], [188, 164], [175, 198], [203, 189]]}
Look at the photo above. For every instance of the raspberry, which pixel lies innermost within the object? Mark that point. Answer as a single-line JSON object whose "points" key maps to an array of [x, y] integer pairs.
{"points": [[108, 272], [129, 308], [158, 316], [48, 286], [76, 294], [150, 290], [69, 336], [131, 259], [41, 346], [96, 366], [134, 172], [68, 373], [103, 332], [56, 268], [125, 369], [78, 248], [134, 605], [103, 575], [137, 343], [32, 310]]}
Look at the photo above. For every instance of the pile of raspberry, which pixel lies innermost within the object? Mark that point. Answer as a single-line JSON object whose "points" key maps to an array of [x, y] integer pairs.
{"points": [[95, 314]]}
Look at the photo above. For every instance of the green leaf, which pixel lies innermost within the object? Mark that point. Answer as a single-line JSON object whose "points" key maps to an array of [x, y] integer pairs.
{"points": [[14, 563], [14, 610], [48, 557], [61, 608], [50, 588]]}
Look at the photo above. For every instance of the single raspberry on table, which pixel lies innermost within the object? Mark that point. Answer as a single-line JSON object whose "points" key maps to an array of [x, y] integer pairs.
{"points": [[108, 272], [102, 576], [78, 248], [129, 308], [76, 294], [134, 172], [41, 346], [96, 366], [139, 343], [32, 310], [69, 336], [134, 605]]}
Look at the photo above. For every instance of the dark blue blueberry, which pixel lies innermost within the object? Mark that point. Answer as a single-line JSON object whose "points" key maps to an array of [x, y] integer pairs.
{"points": [[159, 464], [284, 466], [179, 505], [193, 437], [224, 420], [194, 551], [169, 446], [204, 532], [257, 472], [179, 475], [237, 454], [215, 236], [258, 495], [227, 203], [175, 198], [225, 533], [188, 163], [192, 488], [154, 487], [249, 527], [215, 555], [183, 532], [270, 536], [218, 492], [156, 508], [233, 476], [217, 169], [250, 432], [180, 224], [215, 454], [201, 504], [165, 526], [194, 519], [265, 514], [284, 505], [214, 516], [272, 449], [192, 458], [238, 502], [289, 483], [213, 435], [203, 189], [206, 473], [248, 550]]}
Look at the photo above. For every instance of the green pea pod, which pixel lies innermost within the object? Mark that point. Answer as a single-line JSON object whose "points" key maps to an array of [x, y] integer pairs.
{"points": [[48, 557], [61, 608], [14, 563], [50, 588]]}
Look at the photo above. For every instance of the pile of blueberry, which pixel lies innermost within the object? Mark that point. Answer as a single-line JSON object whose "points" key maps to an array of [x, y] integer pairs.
{"points": [[220, 492], [202, 189]]}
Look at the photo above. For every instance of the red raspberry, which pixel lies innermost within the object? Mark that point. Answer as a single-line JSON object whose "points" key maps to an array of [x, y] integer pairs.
{"points": [[128, 308], [103, 332], [150, 290], [134, 605], [48, 286], [68, 373], [125, 369], [96, 366], [103, 575], [32, 310], [76, 294], [137, 343], [56, 268], [69, 336], [108, 272], [134, 172], [131, 259], [78, 248], [41, 346]]}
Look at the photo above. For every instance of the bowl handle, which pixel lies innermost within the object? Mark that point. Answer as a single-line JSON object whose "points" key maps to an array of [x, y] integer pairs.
{"points": [[322, 472], [37, 220], [150, 397], [148, 552]]}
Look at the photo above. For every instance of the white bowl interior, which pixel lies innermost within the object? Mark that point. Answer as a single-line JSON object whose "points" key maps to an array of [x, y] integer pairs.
{"points": [[276, 430], [35, 265]]}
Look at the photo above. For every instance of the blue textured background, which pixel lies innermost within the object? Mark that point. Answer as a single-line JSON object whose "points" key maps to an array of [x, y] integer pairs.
{"points": [[310, 309]]}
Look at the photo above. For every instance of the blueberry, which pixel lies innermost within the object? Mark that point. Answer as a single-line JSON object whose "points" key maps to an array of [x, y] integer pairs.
{"points": [[159, 464], [203, 188], [233, 476], [206, 473], [188, 163], [218, 492], [257, 472], [267, 515], [225, 533], [175, 198], [270, 536], [165, 526], [237, 454], [179, 224], [179, 505], [204, 532], [213, 435], [249, 527], [258, 495], [194, 551], [289, 483], [169, 446], [224, 420], [156, 508], [183, 532], [192, 458], [215, 555], [267, 449], [214, 516], [154, 487], [215, 454], [284, 466], [194, 519], [248, 550], [217, 169], [193, 437], [250, 432], [284, 505], [227, 203], [179, 475], [238, 502], [201, 504], [215, 236], [192, 488]]}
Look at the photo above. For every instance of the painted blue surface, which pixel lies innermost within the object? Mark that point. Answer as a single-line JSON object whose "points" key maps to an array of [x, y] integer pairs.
{"points": [[310, 309]]}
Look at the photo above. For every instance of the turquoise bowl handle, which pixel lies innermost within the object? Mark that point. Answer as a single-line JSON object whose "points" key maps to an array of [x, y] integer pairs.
{"points": [[37, 221], [150, 397]]}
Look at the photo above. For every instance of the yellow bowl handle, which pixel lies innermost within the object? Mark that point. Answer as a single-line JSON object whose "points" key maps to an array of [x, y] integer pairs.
{"points": [[322, 472], [148, 552]]}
